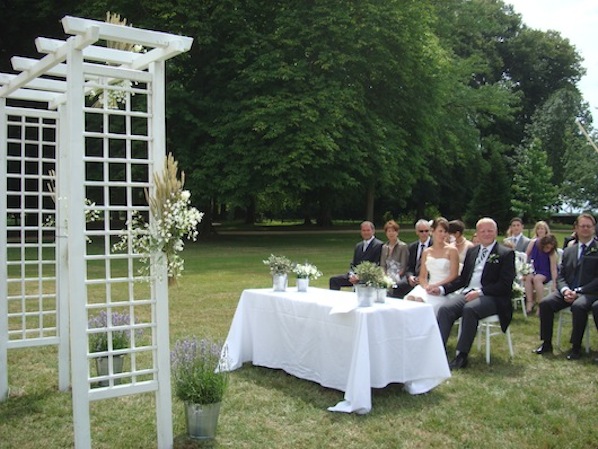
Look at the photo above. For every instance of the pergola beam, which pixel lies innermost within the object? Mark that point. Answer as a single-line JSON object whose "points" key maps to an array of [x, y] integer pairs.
{"points": [[126, 34], [38, 83], [50, 60], [91, 53]]}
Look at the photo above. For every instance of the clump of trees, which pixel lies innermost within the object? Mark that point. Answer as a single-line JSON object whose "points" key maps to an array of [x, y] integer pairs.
{"points": [[323, 110]]}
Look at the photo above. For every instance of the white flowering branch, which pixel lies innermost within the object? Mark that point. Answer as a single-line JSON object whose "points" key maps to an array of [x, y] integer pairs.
{"points": [[173, 219]]}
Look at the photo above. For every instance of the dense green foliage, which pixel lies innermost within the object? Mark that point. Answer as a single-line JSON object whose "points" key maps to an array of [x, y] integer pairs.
{"points": [[327, 110]]}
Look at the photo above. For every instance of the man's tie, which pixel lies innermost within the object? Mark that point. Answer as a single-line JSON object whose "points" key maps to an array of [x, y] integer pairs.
{"points": [[577, 279], [583, 250], [421, 250], [481, 256]]}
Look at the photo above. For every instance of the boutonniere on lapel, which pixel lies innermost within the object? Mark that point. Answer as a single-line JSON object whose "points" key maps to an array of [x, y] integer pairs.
{"points": [[493, 258], [592, 250]]}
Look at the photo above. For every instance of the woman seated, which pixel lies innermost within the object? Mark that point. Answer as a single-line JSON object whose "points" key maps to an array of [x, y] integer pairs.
{"points": [[541, 229], [543, 258], [456, 229], [395, 253], [439, 265]]}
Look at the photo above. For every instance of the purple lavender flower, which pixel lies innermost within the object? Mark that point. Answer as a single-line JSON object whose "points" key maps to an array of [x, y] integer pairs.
{"points": [[119, 333], [199, 373]]}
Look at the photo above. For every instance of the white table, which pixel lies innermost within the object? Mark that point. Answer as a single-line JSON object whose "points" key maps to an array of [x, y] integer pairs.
{"points": [[321, 336]]}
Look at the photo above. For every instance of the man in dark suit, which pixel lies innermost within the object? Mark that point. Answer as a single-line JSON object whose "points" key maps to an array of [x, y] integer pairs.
{"points": [[411, 279], [482, 289], [369, 249], [577, 287]]}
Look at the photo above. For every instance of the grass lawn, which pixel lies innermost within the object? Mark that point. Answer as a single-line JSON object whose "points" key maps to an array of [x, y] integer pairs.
{"points": [[528, 402]]}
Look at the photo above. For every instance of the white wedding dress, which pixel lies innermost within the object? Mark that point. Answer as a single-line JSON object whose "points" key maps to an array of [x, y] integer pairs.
{"points": [[438, 269]]}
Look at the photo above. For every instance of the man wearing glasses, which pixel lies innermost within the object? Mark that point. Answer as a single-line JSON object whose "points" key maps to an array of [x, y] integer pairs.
{"points": [[577, 287], [422, 229]]}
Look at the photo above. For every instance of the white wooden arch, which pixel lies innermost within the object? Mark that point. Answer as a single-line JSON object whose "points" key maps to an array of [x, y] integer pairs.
{"points": [[53, 281]]}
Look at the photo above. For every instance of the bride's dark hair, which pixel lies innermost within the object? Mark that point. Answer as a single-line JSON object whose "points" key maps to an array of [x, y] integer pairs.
{"points": [[442, 222]]}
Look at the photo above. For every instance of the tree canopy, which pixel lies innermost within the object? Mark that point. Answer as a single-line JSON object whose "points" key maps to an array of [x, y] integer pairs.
{"points": [[327, 109]]}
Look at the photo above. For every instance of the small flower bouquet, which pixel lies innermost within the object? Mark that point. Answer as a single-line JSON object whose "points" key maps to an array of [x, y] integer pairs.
{"points": [[517, 290], [370, 274], [523, 268], [278, 264], [121, 338], [199, 371], [387, 282], [307, 271]]}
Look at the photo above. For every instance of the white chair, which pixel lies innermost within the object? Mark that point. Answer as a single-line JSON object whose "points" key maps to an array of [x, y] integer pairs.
{"points": [[520, 302], [488, 327], [565, 314]]}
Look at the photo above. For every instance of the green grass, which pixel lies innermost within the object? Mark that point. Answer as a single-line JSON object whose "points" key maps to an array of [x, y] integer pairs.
{"points": [[527, 402]]}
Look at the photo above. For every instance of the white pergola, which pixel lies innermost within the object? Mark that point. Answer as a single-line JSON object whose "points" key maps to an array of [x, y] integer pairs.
{"points": [[53, 281]]}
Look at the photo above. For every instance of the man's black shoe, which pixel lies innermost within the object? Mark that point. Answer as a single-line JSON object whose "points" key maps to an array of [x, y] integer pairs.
{"points": [[543, 349], [574, 354], [458, 362]]}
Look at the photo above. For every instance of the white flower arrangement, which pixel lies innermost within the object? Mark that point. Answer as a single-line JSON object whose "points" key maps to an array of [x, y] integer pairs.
{"points": [[279, 264], [387, 282], [517, 290], [523, 268], [307, 271], [173, 219]]}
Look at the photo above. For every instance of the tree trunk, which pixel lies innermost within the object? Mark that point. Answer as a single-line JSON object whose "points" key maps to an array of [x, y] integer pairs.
{"points": [[369, 206]]}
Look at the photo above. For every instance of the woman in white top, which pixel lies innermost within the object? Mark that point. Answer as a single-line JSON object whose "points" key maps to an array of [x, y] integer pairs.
{"points": [[439, 265]]}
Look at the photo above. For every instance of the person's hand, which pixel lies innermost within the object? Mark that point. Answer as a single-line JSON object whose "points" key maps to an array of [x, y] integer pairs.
{"points": [[413, 280], [570, 296], [353, 279], [433, 290], [471, 295]]}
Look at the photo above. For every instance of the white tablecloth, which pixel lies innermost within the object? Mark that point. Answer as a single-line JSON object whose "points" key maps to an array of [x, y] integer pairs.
{"points": [[321, 336]]}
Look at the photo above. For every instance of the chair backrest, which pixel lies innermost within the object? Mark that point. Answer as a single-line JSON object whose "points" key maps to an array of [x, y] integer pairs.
{"points": [[521, 256], [559, 253]]}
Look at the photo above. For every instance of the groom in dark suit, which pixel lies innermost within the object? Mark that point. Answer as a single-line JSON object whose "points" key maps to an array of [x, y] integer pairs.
{"points": [[369, 249], [577, 287], [482, 289]]}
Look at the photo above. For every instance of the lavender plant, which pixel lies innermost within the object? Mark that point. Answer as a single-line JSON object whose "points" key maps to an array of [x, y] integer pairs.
{"points": [[110, 323], [199, 370]]}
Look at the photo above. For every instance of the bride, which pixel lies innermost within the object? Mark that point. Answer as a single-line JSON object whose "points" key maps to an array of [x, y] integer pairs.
{"points": [[439, 265]]}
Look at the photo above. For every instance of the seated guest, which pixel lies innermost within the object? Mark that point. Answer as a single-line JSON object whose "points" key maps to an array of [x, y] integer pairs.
{"points": [[456, 229], [416, 249], [577, 287], [395, 253], [440, 265], [516, 239], [540, 230], [482, 289], [543, 258], [369, 249]]}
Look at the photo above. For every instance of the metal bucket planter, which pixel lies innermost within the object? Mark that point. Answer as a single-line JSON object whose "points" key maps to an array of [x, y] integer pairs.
{"points": [[302, 284], [365, 295], [102, 368], [381, 295], [202, 420], [279, 282]]}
